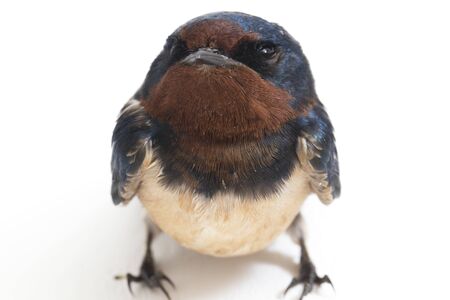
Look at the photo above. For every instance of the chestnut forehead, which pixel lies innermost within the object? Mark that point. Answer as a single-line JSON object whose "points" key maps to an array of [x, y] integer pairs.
{"points": [[222, 34]]}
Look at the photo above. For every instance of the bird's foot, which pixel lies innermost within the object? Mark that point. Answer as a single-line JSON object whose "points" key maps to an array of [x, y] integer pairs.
{"points": [[151, 278], [309, 278]]}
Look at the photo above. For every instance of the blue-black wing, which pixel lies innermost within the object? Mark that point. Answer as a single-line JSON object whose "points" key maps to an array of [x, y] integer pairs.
{"points": [[317, 153], [131, 150]]}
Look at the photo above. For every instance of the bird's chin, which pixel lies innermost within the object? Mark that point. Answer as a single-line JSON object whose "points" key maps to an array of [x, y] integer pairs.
{"points": [[217, 99]]}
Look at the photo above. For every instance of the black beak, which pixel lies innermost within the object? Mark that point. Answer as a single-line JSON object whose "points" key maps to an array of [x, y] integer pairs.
{"points": [[207, 56]]}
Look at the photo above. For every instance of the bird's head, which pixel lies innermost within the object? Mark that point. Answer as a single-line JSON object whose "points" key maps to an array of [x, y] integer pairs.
{"points": [[227, 77]]}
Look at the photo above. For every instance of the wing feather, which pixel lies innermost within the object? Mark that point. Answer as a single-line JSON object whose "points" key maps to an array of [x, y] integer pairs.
{"points": [[132, 150], [316, 151]]}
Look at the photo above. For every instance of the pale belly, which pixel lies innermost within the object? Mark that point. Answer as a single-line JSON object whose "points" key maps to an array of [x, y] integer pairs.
{"points": [[224, 225]]}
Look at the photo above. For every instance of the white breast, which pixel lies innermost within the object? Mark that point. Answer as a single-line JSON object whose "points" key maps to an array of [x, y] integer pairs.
{"points": [[224, 225]]}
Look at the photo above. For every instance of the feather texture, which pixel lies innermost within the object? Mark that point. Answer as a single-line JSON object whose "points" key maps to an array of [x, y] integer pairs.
{"points": [[317, 153], [132, 146]]}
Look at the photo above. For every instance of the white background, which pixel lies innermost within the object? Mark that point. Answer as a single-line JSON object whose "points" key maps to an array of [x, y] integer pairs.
{"points": [[382, 70]]}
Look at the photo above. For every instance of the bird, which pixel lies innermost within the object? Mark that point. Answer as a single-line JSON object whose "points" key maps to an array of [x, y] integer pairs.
{"points": [[223, 141]]}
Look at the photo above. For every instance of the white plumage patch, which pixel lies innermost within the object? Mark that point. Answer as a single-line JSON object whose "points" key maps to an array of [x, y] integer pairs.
{"points": [[225, 225]]}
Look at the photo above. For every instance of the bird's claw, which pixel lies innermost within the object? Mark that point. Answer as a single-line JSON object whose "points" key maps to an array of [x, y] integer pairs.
{"points": [[309, 281], [150, 279]]}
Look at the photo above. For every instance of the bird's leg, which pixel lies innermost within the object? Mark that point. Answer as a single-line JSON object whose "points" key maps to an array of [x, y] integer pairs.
{"points": [[307, 271], [149, 275]]}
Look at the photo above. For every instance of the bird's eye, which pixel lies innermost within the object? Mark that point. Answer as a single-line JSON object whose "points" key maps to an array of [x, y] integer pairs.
{"points": [[261, 56], [175, 48], [267, 50]]}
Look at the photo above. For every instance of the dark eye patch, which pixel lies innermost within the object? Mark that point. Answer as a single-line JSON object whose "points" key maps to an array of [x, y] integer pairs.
{"points": [[176, 48], [261, 56]]}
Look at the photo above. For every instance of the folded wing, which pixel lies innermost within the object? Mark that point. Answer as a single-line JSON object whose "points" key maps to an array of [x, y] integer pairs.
{"points": [[132, 151]]}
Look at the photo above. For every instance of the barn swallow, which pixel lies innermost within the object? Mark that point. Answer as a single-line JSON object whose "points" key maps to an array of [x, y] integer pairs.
{"points": [[223, 142]]}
